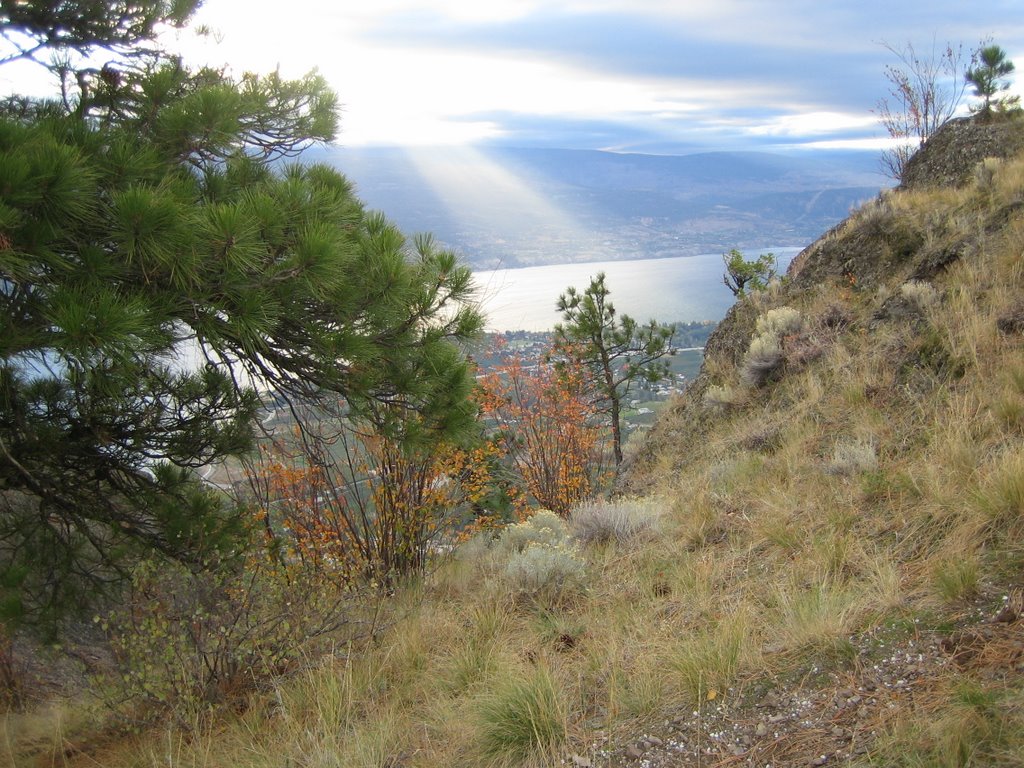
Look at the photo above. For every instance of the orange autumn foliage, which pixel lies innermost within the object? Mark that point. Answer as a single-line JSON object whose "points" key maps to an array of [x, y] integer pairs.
{"points": [[548, 427], [361, 505]]}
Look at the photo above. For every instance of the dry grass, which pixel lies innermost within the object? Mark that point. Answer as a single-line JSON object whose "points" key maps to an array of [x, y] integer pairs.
{"points": [[522, 718], [965, 724], [48, 730], [621, 521]]}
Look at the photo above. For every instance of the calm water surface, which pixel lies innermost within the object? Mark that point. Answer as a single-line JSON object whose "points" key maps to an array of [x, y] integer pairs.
{"points": [[684, 289]]}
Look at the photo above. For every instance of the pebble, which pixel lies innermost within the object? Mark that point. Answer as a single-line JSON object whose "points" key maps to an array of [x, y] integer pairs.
{"points": [[581, 762], [634, 752], [819, 761], [761, 730], [654, 741]]}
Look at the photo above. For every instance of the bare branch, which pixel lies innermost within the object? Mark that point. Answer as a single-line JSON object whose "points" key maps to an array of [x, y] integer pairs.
{"points": [[925, 90]]}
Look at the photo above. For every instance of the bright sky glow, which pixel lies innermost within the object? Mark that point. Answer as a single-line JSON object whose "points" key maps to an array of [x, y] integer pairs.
{"points": [[640, 75]]}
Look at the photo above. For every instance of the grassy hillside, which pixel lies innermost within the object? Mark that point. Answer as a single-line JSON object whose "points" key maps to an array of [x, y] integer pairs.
{"points": [[821, 562]]}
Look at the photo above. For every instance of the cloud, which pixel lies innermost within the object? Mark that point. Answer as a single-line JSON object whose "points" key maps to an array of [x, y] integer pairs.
{"points": [[809, 58], [555, 130], [603, 73]]}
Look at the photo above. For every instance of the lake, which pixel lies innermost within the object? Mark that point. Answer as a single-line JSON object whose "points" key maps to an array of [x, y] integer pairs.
{"points": [[684, 289]]}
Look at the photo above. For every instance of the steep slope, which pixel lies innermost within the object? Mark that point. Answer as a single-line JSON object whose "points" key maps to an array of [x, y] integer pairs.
{"points": [[914, 233], [857, 432]]}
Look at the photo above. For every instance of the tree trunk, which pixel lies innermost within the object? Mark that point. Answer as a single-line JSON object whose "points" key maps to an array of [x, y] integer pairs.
{"points": [[616, 432], [611, 392]]}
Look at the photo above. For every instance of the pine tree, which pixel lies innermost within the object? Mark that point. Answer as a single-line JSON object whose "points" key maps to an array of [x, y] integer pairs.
{"points": [[989, 78], [618, 351], [38, 28], [740, 273], [161, 270]]}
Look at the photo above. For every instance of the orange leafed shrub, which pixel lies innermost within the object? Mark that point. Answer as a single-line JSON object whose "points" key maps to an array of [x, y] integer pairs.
{"points": [[361, 504], [548, 426], [491, 501]]}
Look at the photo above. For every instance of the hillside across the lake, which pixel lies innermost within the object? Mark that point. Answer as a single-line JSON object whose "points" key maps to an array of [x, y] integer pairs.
{"points": [[503, 207]]}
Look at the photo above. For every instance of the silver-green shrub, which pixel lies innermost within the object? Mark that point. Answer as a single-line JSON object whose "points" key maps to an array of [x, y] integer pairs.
{"points": [[763, 358], [765, 354], [545, 570], [541, 561], [543, 527], [922, 295]]}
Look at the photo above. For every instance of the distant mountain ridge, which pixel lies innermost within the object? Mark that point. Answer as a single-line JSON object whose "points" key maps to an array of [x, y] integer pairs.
{"points": [[524, 207]]}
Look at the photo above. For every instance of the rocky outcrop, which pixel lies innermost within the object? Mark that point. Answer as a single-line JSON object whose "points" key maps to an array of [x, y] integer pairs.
{"points": [[950, 156]]}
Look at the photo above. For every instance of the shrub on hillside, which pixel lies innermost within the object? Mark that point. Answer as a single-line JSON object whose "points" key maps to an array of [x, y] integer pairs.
{"points": [[764, 357], [541, 562], [780, 322], [185, 641], [546, 572], [921, 294], [543, 527], [604, 521], [548, 427]]}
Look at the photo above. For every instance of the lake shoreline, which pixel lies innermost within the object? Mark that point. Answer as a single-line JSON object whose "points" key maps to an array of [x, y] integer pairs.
{"points": [[670, 289]]}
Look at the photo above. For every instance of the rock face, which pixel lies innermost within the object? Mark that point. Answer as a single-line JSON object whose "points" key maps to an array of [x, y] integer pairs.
{"points": [[949, 157]]}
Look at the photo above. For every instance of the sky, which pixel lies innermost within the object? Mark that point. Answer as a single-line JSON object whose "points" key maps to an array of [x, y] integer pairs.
{"points": [[625, 75], [668, 76]]}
